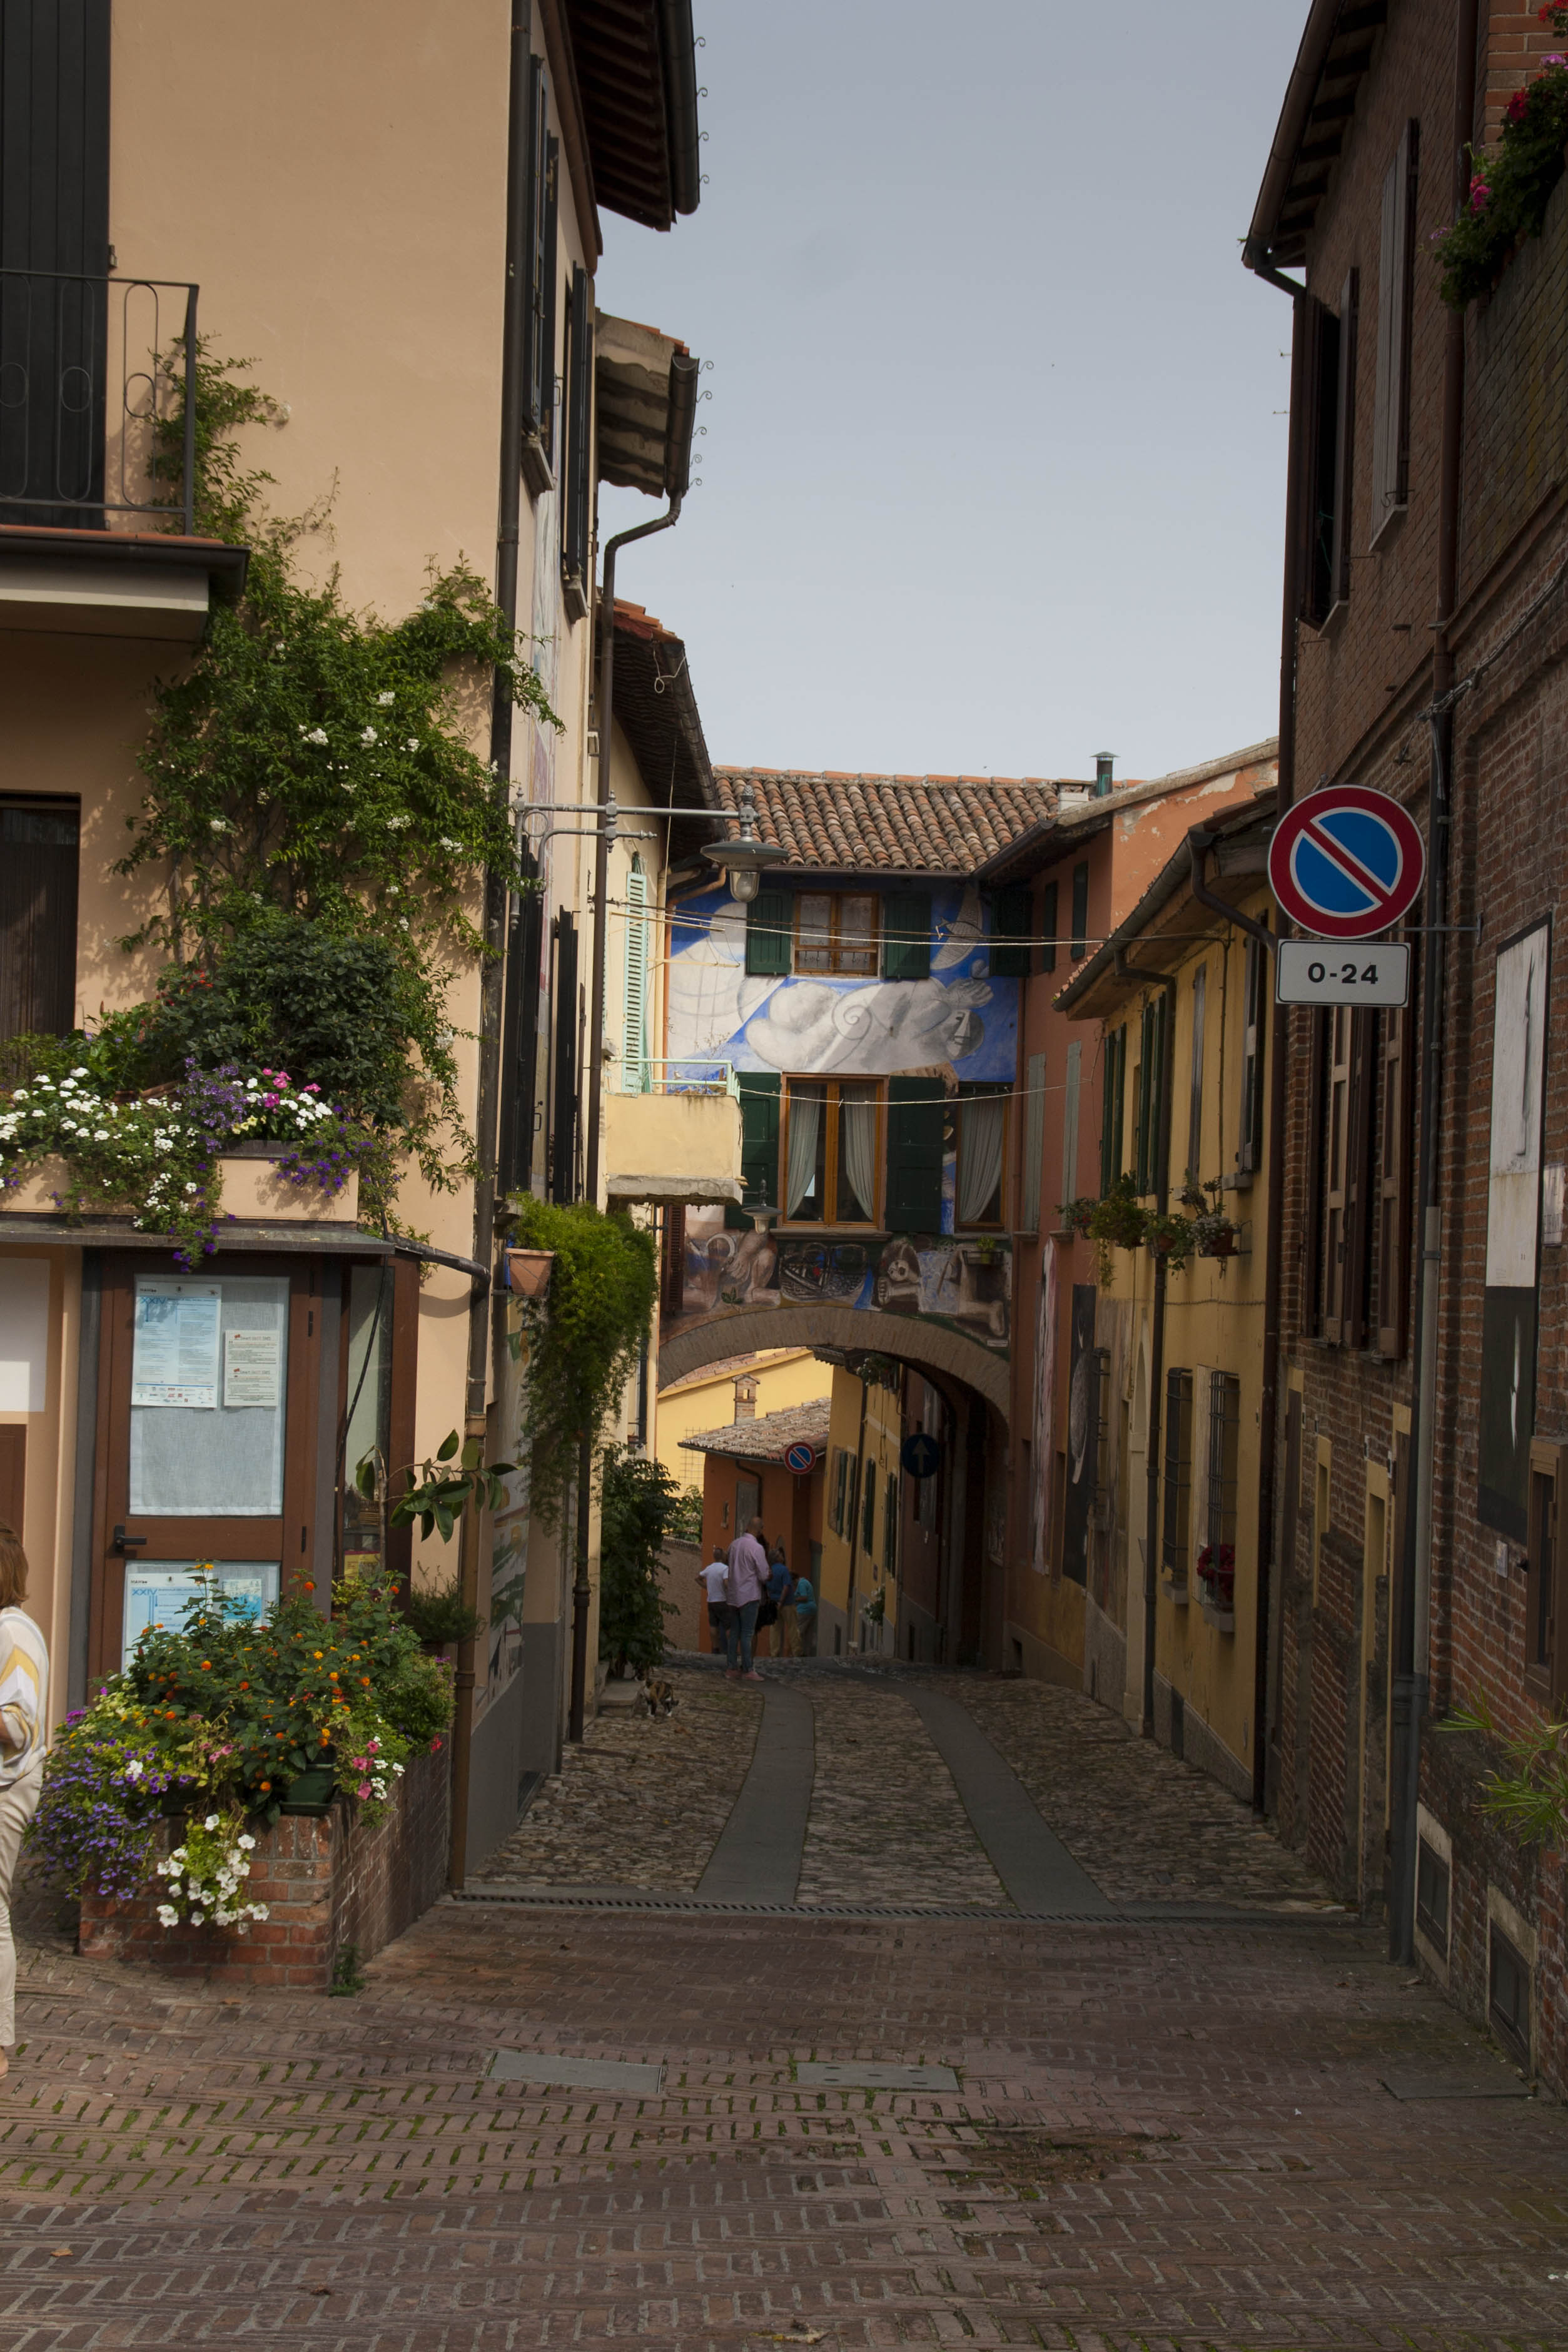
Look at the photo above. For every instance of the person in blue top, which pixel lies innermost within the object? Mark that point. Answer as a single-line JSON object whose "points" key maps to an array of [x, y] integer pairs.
{"points": [[782, 1592], [803, 1609]]}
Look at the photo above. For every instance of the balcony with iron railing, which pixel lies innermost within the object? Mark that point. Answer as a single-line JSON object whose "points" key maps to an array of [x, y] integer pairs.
{"points": [[97, 458], [672, 1131]]}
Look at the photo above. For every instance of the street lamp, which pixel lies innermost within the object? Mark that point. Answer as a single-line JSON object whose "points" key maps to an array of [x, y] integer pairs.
{"points": [[743, 859]]}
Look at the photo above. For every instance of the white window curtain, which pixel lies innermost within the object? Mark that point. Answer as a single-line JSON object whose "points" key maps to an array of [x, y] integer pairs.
{"points": [[983, 1121], [857, 1145], [805, 1124], [634, 1025]]}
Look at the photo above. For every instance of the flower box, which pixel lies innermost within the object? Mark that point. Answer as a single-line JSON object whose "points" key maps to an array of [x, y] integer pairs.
{"points": [[529, 1271], [326, 1882], [253, 1191], [35, 1195]]}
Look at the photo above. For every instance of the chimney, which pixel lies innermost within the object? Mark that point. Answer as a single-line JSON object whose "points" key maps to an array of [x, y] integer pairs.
{"points": [[1103, 763], [746, 1398]]}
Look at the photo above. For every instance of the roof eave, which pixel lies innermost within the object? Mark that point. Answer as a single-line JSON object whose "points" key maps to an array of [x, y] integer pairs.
{"points": [[1174, 876]]}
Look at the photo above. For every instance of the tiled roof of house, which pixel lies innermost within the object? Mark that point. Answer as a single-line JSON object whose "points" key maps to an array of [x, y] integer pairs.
{"points": [[888, 825], [768, 1437]]}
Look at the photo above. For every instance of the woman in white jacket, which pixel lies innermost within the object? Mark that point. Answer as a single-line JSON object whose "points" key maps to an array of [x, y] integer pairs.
{"points": [[23, 1732]]}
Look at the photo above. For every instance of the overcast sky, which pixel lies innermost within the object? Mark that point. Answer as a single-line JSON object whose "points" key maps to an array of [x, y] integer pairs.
{"points": [[993, 476]]}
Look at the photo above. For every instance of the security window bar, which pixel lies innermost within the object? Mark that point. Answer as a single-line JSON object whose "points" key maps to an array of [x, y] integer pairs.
{"points": [[831, 1151], [836, 931], [1432, 1886], [1176, 1495], [1224, 1438]]}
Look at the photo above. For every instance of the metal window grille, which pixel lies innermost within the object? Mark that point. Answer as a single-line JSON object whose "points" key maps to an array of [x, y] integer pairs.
{"points": [[1176, 1500]]}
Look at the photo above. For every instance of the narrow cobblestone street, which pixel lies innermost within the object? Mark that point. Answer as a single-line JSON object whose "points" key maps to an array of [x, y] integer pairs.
{"points": [[1210, 2115]]}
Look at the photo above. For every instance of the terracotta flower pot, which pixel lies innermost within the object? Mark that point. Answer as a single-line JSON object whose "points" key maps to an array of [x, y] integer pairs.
{"points": [[531, 1271], [1220, 1245]]}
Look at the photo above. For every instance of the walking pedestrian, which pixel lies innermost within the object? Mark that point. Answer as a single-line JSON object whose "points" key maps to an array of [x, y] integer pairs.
{"points": [[747, 1583], [714, 1581], [782, 1592], [24, 1728], [805, 1608]]}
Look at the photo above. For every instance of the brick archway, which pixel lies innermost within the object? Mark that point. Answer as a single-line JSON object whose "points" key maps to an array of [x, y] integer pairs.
{"points": [[929, 1347]]}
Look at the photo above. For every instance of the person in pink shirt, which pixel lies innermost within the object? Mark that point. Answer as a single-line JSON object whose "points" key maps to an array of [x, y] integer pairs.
{"points": [[749, 1573]]}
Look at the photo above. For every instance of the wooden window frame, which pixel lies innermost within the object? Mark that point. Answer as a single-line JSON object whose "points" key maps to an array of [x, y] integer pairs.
{"points": [[833, 1095], [868, 944], [1113, 1068], [1195, 1073], [1222, 1468], [38, 943], [1395, 307], [1390, 1179], [1078, 944], [1049, 899], [1254, 1053]]}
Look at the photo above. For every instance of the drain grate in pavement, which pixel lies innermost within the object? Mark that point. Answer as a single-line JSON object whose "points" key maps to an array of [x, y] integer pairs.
{"points": [[860, 2075], [1123, 1915], [551, 2073]]}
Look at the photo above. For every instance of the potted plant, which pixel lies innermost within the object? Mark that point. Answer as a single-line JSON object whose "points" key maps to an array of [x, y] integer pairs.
{"points": [[1216, 1576], [529, 1270], [1117, 1221], [1215, 1233], [1169, 1237], [1078, 1216]]}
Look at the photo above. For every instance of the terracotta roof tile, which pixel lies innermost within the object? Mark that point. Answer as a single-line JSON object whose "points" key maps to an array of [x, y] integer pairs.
{"points": [[835, 820], [767, 1438]]}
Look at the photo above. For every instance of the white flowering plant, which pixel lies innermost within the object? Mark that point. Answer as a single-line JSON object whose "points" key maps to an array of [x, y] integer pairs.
{"points": [[204, 1876]]}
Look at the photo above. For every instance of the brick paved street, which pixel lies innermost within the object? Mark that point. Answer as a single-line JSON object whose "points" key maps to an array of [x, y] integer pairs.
{"points": [[1162, 2135], [1159, 2131]]}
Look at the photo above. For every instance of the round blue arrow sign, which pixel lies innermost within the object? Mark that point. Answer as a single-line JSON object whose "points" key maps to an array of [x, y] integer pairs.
{"points": [[920, 1454]]}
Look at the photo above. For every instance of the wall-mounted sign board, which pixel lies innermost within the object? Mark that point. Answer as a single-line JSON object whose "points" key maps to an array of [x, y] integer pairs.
{"points": [[1311, 972]]}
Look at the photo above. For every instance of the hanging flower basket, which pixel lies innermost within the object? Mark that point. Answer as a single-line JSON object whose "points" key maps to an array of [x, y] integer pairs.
{"points": [[1170, 1238], [529, 1271], [1215, 1234]]}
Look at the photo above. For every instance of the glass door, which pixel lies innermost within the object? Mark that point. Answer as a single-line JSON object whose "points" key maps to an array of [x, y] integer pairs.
{"points": [[208, 1407]]}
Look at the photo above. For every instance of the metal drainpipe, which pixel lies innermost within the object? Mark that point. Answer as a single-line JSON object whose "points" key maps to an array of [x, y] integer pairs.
{"points": [[1408, 1698], [508, 520], [677, 466], [1278, 1042], [1126, 971]]}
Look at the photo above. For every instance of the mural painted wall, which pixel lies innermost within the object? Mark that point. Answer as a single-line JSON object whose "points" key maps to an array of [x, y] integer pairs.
{"points": [[955, 1025], [855, 1028]]}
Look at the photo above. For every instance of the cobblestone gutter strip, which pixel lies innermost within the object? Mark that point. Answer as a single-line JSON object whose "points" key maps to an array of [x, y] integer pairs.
{"points": [[886, 1822], [1146, 1825], [642, 1801]]}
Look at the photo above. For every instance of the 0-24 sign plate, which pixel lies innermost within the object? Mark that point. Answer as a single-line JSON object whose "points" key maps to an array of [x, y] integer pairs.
{"points": [[1321, 971]]}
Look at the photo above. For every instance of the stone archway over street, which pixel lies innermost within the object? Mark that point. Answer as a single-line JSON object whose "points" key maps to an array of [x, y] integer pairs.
{"points": [[929, 1347]]}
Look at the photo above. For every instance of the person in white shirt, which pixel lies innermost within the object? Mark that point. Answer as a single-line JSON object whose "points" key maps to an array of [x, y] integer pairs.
{"points": [[714, 1581], [24, 1731]]}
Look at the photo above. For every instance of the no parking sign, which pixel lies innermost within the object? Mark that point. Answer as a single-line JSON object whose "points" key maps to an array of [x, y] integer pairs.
{"points": [[1347, 863]]}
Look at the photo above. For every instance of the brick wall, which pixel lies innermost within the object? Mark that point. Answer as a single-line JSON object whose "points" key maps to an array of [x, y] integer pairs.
{"points": [[1363, 685], [327, 1884]]}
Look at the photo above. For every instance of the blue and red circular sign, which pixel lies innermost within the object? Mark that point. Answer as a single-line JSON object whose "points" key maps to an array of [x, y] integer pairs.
{"points": [[1347, 863], [800, 1458]]}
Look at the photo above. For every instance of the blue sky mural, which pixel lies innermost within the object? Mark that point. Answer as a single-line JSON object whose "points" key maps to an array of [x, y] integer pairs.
{"points": [[861, 1028]]}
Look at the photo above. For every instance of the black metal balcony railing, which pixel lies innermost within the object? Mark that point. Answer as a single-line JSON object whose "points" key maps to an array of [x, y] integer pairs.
{"points": [[88, 367]]}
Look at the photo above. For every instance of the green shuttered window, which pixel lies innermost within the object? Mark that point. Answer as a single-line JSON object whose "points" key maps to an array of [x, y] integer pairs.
{"points": [[760, 1091], [916, 1118], [1010, 920], [767, 924], [907, 935]]}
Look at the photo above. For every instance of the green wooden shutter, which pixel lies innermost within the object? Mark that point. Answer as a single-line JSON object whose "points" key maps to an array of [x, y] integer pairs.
{"points": [[1079, 940], [768, 928], [1011, 916], [759, 1092], [915, 1135], [907, 935], [1048, 898]]}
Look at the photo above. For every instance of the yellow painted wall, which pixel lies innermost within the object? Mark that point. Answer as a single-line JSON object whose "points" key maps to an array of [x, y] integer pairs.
{"points": [[784, 1377], [875, 1439]]}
